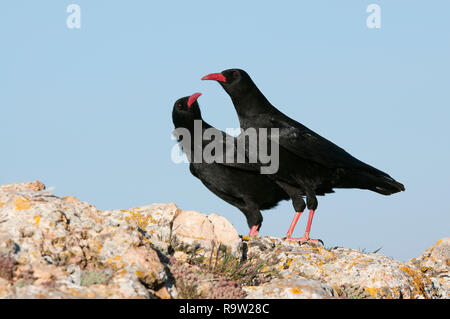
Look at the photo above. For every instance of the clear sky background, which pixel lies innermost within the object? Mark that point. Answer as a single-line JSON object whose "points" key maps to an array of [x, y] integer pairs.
{"points": [[88, 110]]}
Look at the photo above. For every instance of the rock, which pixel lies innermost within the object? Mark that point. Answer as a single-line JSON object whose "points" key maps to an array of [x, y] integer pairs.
{"points": [[22, 188], [294, 287], [155, 221], [52, 247], [70, 249], [144, 262], [351, 273], [5, 287], [435, 263], [190, 228]]}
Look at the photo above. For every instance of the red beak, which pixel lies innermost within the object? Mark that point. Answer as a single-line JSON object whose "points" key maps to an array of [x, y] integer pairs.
{"points": [[193, 98], [215, 77]]}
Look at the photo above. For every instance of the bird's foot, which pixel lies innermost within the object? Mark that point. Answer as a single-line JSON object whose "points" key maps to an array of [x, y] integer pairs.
{"points": [[305, 239]]}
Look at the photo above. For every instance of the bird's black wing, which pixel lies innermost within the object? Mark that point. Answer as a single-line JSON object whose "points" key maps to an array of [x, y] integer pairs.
{"points": [[224, 144], [307, 144]]}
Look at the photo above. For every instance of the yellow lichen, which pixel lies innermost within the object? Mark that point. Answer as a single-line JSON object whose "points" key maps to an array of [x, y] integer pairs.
{"points": [[71, 199], [424, 269], [319, 262], [371, 291], [396, 292], [288, 262], [22, 204], [141, 218], [37, 219], [353, 263], [295, 290], [418, 280]]}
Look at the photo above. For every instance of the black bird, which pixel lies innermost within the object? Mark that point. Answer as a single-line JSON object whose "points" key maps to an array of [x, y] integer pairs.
{"points": [[247, 190], [309, 163]]}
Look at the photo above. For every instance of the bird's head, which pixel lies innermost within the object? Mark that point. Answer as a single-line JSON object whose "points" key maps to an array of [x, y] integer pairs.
{"points": [[186, 111], [236, 82]]}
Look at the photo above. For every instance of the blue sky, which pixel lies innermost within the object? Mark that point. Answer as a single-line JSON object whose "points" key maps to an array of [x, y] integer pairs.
{"points": [[88, 110]]}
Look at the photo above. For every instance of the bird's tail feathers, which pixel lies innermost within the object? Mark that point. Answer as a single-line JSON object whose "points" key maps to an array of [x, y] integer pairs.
{"points": [[380, 182]]}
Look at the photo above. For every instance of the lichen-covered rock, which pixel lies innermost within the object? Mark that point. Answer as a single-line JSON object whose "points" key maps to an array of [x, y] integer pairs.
{"points": [[190, 228], [155, 221], [292, 287], [52, 247], [63, 247], [351, 273], [144, 262], [435, 263]]}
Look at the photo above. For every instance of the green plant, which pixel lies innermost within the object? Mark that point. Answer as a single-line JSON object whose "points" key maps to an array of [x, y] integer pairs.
{"points": [[246, 271], [365, 251]]}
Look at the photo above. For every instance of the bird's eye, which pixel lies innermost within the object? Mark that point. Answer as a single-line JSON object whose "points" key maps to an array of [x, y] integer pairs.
{"points": [[236, 74]]}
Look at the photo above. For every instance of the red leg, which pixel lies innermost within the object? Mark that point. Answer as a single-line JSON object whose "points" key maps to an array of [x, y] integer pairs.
{"points": [[254, 231], [305, 237], [293, 223]]}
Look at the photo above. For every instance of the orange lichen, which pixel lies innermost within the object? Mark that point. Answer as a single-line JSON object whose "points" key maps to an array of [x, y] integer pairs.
{"points": [[37, 219], [295, 290], [22, 204], [418, 280], [71, 199], [163, 293], [138, 216], [371, 291], [396, 292], [115, 262], [424, 269]]}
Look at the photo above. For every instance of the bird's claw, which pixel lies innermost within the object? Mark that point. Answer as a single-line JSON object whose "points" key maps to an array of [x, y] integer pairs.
{"points": [[304, 239]]}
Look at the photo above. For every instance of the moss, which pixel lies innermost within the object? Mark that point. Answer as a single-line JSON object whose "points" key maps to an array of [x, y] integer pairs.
{"points": [[95, 277], [23, 283]]}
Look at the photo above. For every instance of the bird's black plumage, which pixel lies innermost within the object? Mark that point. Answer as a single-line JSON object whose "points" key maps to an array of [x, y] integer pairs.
{"points": [[247, 190], [309, 163]]}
